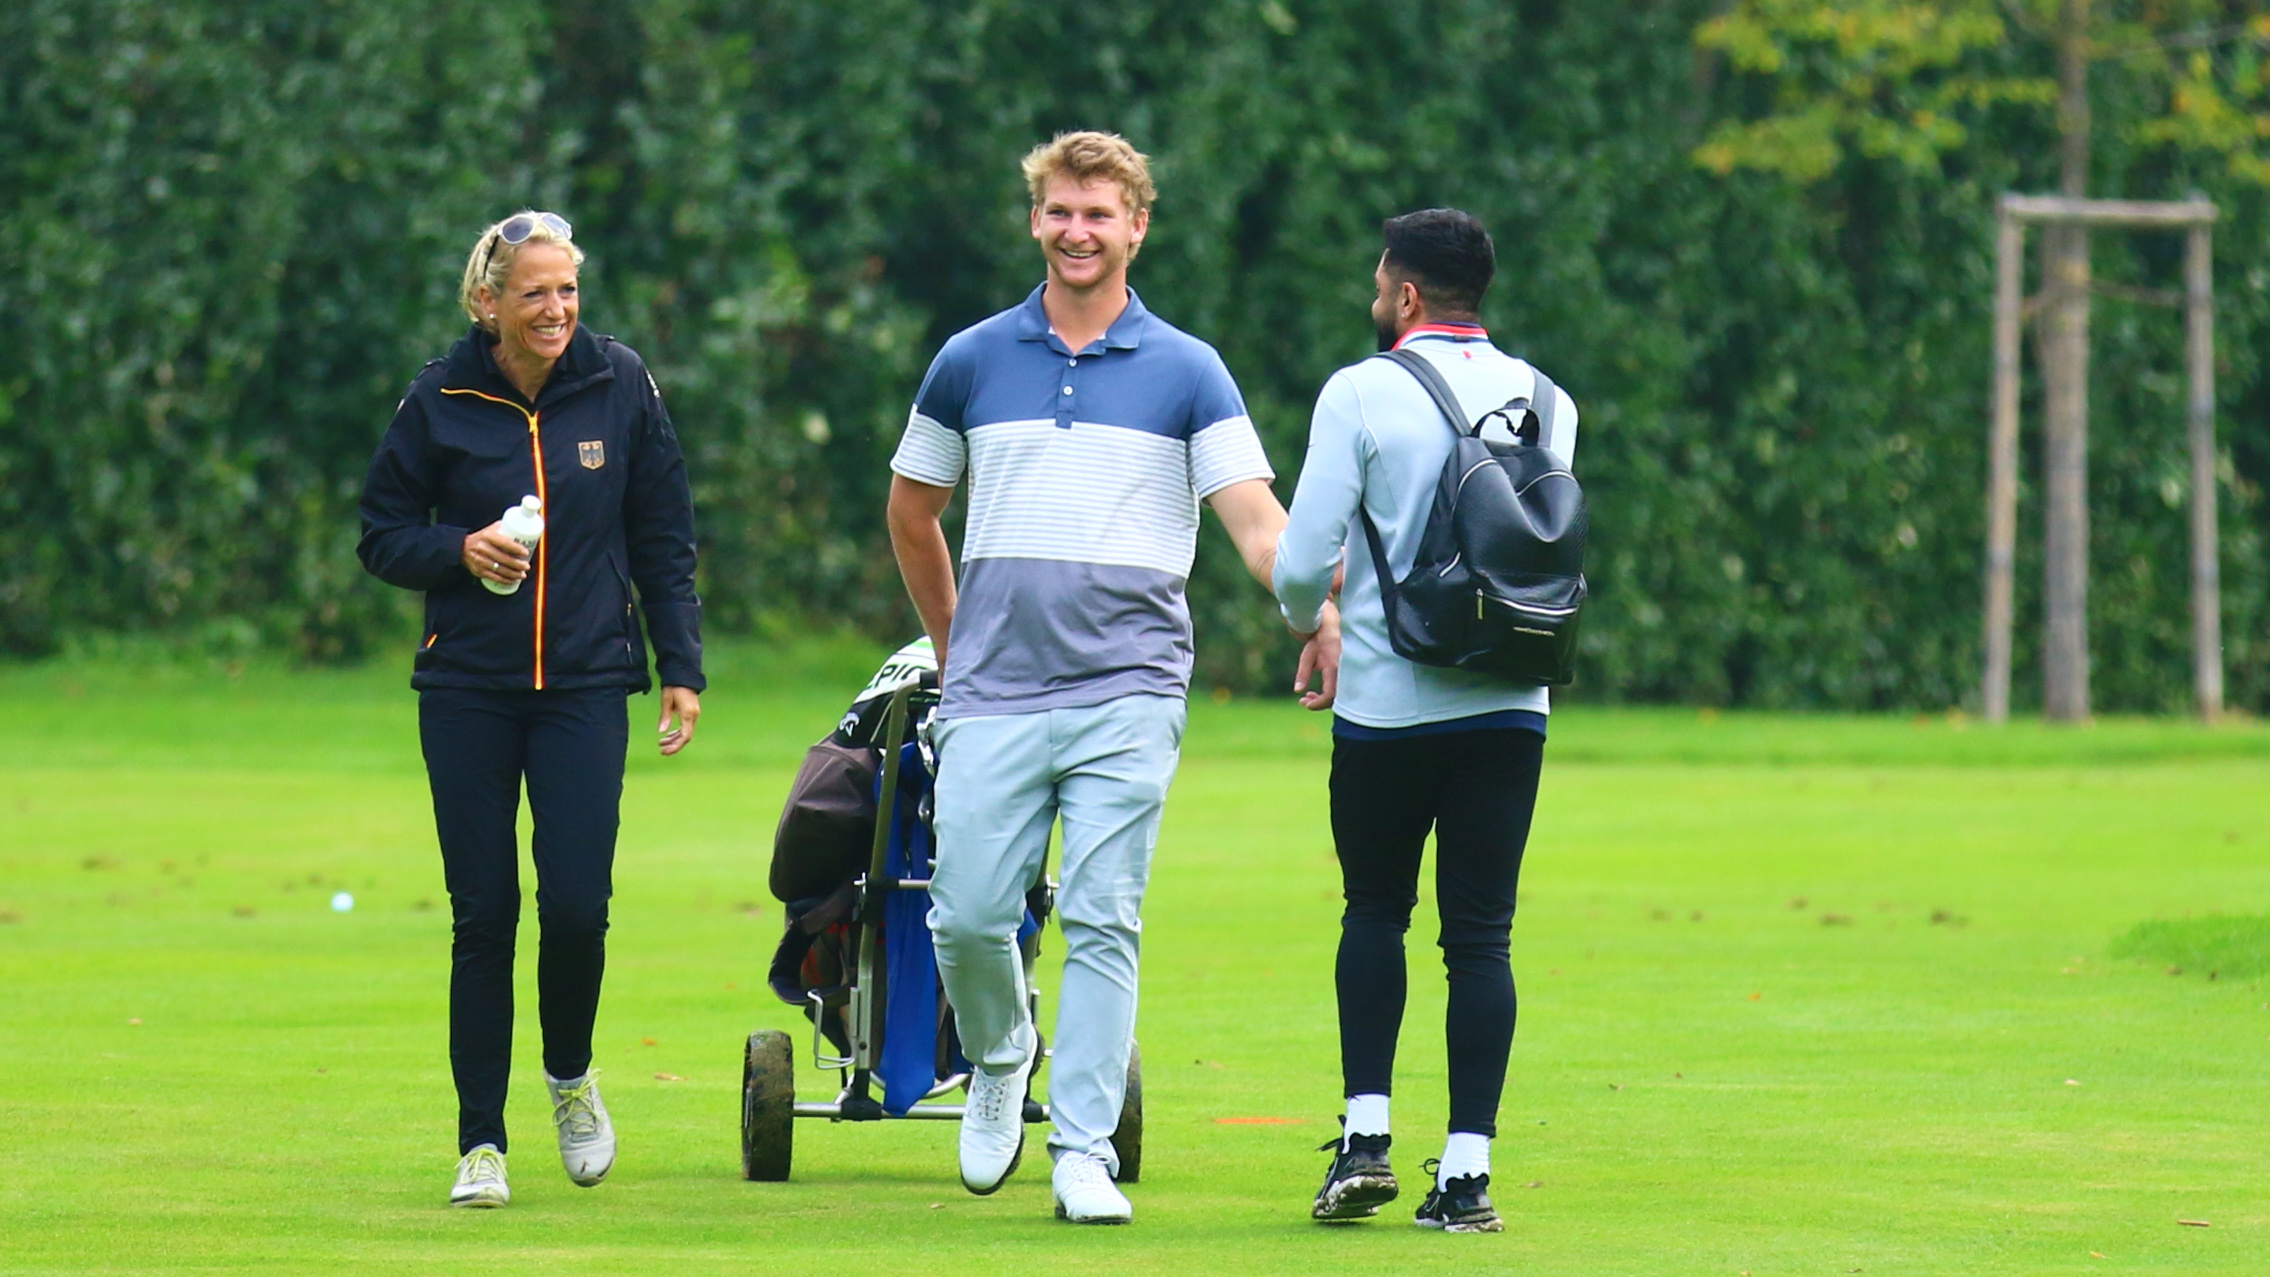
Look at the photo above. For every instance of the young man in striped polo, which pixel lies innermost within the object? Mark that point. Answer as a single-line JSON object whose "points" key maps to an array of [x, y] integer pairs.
{"points": [[1090, 431]]}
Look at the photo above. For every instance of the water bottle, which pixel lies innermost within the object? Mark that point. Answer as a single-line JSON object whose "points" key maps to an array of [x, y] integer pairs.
{"points": [[523, 523]]}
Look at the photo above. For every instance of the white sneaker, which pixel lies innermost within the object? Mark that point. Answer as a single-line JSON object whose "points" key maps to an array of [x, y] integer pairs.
{"points": [[1085, 1193], [480, 1179], [993, 1128], [587, 1137]]}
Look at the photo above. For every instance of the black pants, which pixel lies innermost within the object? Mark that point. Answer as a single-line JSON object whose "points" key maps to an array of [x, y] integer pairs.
{"points": [[1475, 790], [478, 746]]}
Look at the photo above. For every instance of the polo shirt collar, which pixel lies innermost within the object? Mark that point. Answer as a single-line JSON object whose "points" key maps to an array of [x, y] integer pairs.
{"points": [[1454, 330], [1125, 333]]}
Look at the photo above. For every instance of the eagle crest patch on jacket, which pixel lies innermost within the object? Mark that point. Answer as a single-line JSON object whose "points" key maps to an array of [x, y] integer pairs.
{"points": [[592, 452]]}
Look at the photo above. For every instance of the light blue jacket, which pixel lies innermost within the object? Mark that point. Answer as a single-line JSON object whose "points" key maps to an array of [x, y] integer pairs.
{"points": [[1378, 438]]}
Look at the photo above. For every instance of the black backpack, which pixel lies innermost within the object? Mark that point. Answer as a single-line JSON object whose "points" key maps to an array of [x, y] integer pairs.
{"points": [[1498, 584]]}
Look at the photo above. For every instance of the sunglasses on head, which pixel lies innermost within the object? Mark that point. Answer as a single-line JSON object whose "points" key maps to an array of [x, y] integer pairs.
{"points": [[516, 229]]}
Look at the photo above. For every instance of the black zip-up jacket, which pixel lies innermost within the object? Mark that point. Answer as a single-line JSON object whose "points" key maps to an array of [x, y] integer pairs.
{"points": [[598, 447]]}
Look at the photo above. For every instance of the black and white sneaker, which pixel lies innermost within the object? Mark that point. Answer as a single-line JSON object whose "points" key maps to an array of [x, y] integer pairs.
{"points": [[1359, 1181], [1460, 1206]]}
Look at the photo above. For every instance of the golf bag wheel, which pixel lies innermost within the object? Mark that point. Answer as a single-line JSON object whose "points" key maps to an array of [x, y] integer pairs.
{"points": [[1127, 1141], [768, 1106]]}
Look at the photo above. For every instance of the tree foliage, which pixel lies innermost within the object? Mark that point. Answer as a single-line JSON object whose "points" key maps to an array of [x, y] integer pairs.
{"points": [[1909, 80], [230, 234]]}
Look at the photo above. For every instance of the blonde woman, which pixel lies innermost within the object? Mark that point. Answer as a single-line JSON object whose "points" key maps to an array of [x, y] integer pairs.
{"points": [[527, 655]]}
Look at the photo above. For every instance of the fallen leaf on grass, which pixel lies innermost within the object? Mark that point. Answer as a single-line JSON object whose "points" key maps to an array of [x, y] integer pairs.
{"points": [[1797, 904], [9, 917], [2072, 1081], [647, 1042], [1535, 1183], [1615, 1086], [244, 911], [2194, 1223], [1257, 1121], [2175, 970], [668, 1077], [2096, 1254], [1836, 920], [937, 1205], [1755, 996], [135, 1020]]}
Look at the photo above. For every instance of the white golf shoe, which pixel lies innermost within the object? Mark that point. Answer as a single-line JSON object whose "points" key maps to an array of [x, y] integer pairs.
{"points": [[480, 1179], [587, 1137], [993, 1128], [1085, 1193]]}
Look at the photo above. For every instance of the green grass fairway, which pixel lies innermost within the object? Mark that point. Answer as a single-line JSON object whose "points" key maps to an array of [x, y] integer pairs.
{"points": [[1799, 995]]}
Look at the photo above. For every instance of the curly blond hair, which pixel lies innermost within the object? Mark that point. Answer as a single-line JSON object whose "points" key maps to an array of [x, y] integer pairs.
{"points": [[1087, 156], [490, 251]]}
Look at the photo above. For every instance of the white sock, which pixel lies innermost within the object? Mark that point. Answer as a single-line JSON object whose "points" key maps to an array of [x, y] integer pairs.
{"points": [[1463, 1154], [1367, 1115]]}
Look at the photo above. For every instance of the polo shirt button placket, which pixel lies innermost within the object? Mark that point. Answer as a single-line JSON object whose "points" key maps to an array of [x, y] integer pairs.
{"points": [[1064, 400]]}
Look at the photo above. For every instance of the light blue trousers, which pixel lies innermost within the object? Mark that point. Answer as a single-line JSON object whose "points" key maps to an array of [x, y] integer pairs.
{"points": [[1002, 782]]}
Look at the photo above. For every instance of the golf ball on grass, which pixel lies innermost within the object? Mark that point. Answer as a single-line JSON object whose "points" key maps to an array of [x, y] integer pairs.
{"points": [[342, 902]]}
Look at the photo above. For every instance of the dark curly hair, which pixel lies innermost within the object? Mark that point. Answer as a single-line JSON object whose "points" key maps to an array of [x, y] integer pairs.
{"points": [[1446, 254]]}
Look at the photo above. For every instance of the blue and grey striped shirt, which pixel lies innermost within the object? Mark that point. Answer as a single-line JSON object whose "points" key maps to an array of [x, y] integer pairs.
{"points": [[1085, 471]]}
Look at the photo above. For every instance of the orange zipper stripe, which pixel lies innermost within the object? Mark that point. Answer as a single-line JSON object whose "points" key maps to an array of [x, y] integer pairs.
{"points": [[543, 543], [536, 452]]}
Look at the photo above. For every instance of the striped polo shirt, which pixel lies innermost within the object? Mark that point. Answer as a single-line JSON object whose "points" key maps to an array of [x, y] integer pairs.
{"points": [[1085, 473]]}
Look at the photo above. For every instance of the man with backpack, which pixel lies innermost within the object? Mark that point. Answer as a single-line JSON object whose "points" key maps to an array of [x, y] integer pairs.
{"points": [[1420, 747]]}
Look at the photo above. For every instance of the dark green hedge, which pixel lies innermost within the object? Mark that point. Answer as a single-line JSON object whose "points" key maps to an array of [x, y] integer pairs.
{"points": [[230, 233]]}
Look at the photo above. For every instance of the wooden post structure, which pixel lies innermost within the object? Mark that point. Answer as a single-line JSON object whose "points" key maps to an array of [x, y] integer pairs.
{"points": [[2064, 346], [2002, 462], [2206, 572], [2196, 217]]}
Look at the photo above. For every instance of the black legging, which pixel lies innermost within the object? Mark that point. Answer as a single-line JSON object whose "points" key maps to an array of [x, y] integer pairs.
{"points": [[478, 746], [1476, 790]]}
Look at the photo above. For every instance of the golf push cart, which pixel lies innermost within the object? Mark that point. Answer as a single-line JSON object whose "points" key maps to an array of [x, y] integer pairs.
{"points": [[852, 861]]}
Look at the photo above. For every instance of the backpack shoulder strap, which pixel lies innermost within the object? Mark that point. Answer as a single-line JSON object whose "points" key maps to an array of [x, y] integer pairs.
{"points": [[1544, 401], [1439, 390], [1389, 587], [1446, 400]]}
